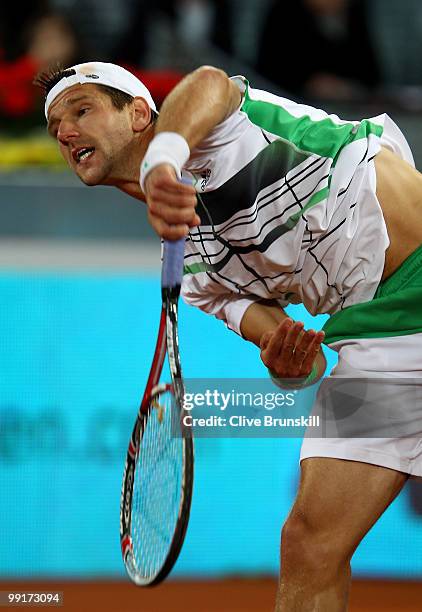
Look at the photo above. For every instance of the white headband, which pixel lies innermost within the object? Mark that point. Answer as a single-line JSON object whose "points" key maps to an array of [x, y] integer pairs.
{"points": [[101, 73]]}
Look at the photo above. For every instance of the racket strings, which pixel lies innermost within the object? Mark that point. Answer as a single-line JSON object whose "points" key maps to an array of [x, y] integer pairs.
{"points": [[157, 487]]}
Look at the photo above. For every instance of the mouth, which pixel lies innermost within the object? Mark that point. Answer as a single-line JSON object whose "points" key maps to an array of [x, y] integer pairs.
{"points": [[82, 154]]}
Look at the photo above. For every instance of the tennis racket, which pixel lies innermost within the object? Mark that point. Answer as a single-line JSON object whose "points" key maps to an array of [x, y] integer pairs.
{"points": [[158, 475]]}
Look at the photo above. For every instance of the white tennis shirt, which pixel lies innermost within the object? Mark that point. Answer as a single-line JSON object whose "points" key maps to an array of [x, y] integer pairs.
{"points": [[288, 209]]}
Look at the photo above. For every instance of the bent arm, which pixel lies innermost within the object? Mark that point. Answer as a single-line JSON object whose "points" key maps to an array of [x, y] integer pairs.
{"points": [[286, 349], [202, 100], [260, 318]]}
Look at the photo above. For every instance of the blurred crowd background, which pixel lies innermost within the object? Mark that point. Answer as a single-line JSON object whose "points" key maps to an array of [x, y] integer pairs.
{"points": [[79, 272], [341, 50]]}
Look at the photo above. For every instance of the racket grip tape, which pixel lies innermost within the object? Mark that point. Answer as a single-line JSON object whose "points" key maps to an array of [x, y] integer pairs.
{"points": [[172, 268], [173, 256]]}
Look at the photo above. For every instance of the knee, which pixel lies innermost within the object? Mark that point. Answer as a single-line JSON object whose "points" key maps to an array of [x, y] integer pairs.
{"points": [[312, 548]]}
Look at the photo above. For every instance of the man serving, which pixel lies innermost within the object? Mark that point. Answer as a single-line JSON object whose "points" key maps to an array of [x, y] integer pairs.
{"points": [[286, 204]]}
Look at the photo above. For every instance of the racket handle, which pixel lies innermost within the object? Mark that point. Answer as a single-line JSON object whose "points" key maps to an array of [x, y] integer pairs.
{"points": [[172, 268], [173, 256]]}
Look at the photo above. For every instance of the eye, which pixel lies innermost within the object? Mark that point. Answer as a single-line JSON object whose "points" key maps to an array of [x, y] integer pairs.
{"points": [[82, 111]]}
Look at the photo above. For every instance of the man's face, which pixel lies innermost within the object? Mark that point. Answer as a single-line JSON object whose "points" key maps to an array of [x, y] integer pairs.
{"points": [[93, 135]]}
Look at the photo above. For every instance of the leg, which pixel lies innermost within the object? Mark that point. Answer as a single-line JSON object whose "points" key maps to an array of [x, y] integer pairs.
{"points": [[337, 503]]}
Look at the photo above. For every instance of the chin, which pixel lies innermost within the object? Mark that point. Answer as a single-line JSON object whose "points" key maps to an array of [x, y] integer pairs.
{"points": [[91, 178], [90, 182]]}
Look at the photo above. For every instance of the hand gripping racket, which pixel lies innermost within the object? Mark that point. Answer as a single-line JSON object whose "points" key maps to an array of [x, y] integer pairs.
{"points": [[158, 476]]}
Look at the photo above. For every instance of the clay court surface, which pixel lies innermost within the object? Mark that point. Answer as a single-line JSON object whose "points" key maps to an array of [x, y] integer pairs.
{"points": [[236, 595]]}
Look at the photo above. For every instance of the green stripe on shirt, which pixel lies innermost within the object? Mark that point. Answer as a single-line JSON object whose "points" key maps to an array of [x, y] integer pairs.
{"points": [[323, 137]]}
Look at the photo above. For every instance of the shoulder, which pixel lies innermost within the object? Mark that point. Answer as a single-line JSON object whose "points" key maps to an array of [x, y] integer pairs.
{"points": [[221, 86]]}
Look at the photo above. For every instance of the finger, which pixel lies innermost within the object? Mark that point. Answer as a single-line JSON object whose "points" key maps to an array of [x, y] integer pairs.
{"points": [[303, 344], [308, 339], [276, 341], [171, 215], [290, 341], [321, 336], [196, 220], [300, 353], [168, 231], [303, 358], [177, 200], [165, 179], [312, 353]]}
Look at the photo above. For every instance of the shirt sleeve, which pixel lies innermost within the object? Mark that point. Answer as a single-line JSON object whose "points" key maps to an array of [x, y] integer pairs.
{"points": [[222, 135], [228, 307]]}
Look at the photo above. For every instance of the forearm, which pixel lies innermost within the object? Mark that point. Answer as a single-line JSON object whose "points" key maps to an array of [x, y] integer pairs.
{"points": [[202, 100], [262, 318], [259, 318], [199, 103]]}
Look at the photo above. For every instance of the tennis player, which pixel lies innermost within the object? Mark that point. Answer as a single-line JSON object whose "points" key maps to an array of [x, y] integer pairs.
{"points": [[287, 204]]}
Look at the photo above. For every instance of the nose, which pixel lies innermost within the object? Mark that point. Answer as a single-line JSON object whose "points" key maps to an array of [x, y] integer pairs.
{"points": [[67, 131]]}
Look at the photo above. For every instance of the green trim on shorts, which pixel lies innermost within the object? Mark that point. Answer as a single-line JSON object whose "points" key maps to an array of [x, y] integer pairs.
{"points": [[395, 310]]}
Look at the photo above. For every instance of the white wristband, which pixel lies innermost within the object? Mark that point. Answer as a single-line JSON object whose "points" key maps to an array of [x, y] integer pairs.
{"points": [[165, 148]]}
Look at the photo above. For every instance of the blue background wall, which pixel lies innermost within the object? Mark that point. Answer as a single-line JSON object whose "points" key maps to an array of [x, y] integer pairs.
{"points": [[75, 350]]}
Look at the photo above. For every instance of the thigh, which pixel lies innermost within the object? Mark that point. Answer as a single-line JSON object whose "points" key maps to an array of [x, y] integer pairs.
{"points": [[344, 498]]}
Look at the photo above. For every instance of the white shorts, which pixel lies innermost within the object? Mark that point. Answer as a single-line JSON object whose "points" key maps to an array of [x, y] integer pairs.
{"points": [[391, 428], [371, 407], [400, 454]]}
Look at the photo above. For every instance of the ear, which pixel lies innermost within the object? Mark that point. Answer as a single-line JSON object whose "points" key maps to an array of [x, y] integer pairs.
{"points": [[141, 116]]}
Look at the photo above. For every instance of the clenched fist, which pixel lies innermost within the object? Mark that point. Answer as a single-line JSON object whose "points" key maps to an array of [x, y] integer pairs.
{"points": [[171, 204]]}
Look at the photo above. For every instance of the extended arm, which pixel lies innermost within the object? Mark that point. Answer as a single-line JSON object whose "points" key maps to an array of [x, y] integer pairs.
{"points": [[198, 103]]}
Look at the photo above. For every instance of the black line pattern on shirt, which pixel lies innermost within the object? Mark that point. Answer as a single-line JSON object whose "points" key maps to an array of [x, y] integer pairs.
{"points": [[365, 154], [298, 202], [248, 238], [233, 223], [263, 246], [269, 238], [266, 137], [267, 277], [342, 192], [217, 272], [332, 231], [214, 273], [229, 225], [216, 268], [258, 277], [320, 264], [237, 251]]}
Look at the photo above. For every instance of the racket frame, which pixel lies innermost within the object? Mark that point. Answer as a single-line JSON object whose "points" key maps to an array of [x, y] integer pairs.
{"points": [[167, 343]]}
